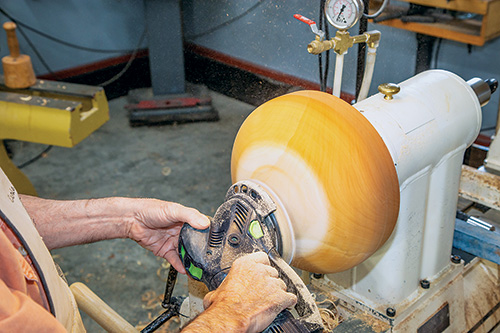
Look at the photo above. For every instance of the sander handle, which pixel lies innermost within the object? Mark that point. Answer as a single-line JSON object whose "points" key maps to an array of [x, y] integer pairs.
{"points": [[309, 317], [12, 42]]}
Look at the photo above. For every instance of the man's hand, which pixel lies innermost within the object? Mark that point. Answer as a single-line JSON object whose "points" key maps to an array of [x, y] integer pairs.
{"points": [[248, 300], [152, 223], [157, 225]]}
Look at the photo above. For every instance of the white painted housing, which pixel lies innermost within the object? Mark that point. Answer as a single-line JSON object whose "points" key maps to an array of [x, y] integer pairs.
{"points": [[426, 127]]}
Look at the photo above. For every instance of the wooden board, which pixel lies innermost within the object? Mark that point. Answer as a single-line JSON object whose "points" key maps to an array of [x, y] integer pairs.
{"points": [[474, 32], [470, 6], [491, 26], [460, 33]]}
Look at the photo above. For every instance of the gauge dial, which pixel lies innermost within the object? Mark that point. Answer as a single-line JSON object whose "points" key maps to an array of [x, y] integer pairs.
{"points": [[343, 14]]}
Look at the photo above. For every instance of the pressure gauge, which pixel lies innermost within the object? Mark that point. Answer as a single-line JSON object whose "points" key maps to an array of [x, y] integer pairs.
{"points": [[343, 14]]}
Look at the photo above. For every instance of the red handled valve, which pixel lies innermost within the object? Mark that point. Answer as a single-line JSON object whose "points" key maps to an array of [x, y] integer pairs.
{"points": [[311, 24]]}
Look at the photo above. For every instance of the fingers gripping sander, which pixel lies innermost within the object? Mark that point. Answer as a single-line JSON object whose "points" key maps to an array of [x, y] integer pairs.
{"points": [[244, 224]]}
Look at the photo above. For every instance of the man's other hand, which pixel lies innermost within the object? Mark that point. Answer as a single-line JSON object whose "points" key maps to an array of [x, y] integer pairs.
{"points": [[157, 225], [248, 300]]}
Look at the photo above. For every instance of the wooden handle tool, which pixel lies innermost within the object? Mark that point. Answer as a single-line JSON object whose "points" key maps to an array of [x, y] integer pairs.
{"points": [[17, 67], [99, 311]]}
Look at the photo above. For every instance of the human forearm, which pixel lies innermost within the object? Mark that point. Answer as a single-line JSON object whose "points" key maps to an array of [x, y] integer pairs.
{"points": [[217, 319], [66, 223], [154, 224]]}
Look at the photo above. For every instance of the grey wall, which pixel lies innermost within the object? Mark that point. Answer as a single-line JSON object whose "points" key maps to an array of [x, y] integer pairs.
{"points": [[101, 24], [268, 36], [271, 37]]}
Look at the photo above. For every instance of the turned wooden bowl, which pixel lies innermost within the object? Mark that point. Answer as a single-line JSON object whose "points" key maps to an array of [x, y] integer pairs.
{"points": [[332, 172]]}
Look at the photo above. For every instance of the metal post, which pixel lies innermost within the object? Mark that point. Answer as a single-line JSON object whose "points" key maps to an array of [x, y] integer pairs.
{"points": [[166, 56]]}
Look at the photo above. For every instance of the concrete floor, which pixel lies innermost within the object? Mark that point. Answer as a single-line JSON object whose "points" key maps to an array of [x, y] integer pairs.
{"points": [[188, 163]]}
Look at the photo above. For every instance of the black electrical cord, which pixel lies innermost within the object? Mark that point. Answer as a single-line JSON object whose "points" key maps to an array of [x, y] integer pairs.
{"points": [[128, 64], [60, 41], [37, 53], [323, 74], [226, 23], [320, 56], [327, 60], [36, 158], [436, 55]]}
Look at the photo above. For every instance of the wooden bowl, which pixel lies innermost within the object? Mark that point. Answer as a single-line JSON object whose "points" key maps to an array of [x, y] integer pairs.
{"points": [[332, 172]]}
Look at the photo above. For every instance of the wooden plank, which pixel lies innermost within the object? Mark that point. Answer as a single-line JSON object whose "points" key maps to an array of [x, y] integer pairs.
{"points": [[471, 6], [440, 30], [480, 186], [491, 22], [472, 31]]}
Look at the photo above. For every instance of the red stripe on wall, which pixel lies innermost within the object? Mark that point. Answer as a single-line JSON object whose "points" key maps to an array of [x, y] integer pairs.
{"points": [[259, 70], [222, 58], [92, 67], [201, 51]]}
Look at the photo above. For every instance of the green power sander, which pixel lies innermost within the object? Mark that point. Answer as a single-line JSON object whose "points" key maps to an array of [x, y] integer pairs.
{"points": [[243, 224]]}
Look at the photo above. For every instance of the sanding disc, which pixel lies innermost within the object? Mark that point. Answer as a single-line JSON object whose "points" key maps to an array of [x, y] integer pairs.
{"points": [[332, 172]]}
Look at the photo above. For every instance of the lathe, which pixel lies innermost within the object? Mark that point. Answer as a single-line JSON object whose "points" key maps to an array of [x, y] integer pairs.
{"points": [[365, 197], [362, 198]]}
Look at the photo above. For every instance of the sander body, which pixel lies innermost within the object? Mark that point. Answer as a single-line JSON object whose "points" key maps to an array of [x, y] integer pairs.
{"points": [[244, 224]]}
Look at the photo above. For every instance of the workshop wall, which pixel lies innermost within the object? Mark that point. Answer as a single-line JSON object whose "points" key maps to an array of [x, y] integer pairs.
{"points": [[100, 24], [267, 35]]}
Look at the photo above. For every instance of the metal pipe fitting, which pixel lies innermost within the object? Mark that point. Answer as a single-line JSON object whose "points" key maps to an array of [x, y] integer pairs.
{"points": [[316, 46], [483, 89]]}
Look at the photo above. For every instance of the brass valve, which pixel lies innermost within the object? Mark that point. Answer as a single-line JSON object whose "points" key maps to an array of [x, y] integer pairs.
{"points": [[317, 46], [343, 41]]}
